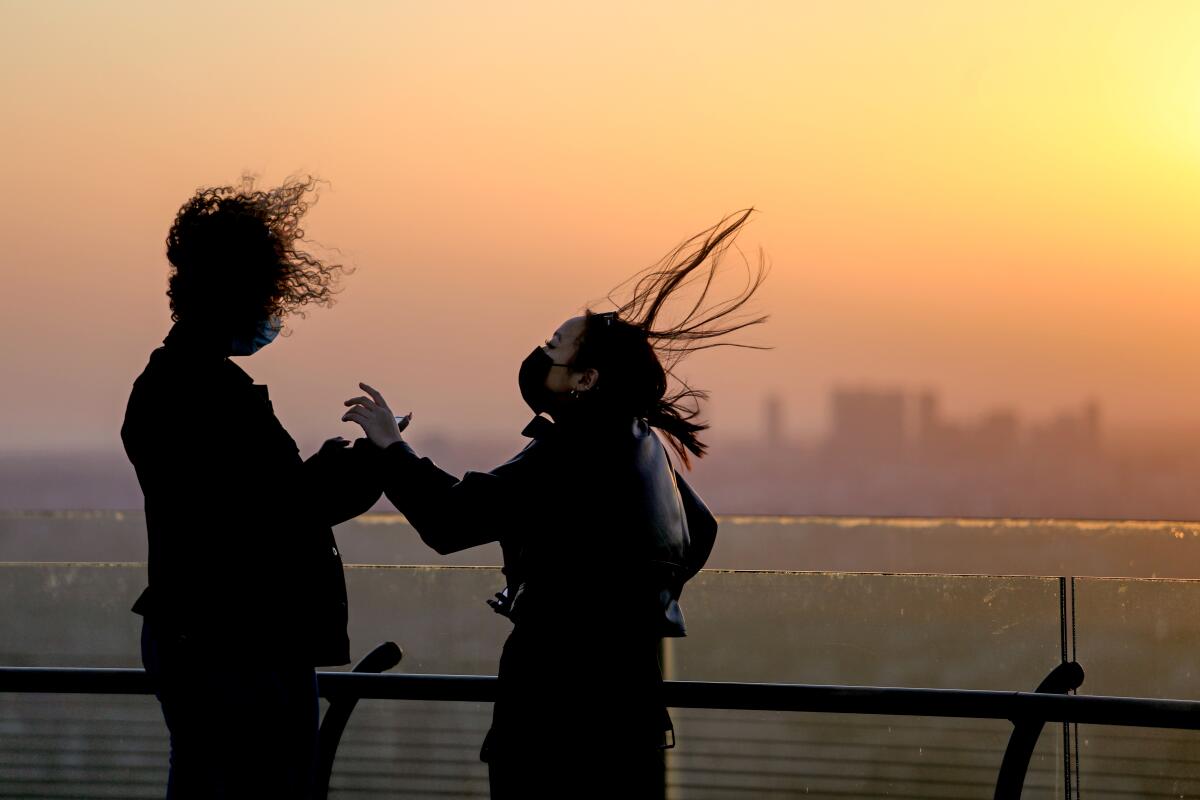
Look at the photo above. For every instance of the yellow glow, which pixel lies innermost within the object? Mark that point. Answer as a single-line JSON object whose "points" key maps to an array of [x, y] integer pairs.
{"points": [[996, 198]]}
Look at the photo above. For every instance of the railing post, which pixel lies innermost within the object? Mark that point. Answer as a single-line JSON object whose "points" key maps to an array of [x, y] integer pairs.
{"points": [[381, 659], [1011, 780]]}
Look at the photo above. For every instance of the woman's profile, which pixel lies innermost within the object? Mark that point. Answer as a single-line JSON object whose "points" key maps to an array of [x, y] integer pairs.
{"points": [[598, 531]]}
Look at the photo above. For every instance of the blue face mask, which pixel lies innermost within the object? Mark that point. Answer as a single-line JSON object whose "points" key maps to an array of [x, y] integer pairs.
{"points": [[264, 334]]}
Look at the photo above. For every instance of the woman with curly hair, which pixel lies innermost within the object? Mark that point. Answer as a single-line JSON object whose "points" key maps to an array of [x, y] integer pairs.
{"points": [[246, 593], [598, 531]]}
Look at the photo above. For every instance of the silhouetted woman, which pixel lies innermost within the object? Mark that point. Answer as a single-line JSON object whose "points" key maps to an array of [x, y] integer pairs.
{"points": [[598, 531], [246, 591]]}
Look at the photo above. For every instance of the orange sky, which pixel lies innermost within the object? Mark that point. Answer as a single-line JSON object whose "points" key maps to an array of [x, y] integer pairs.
{"points": [[996, 199]]}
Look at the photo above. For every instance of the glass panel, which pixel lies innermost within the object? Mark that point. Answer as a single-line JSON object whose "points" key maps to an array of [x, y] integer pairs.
{"points": [[938, 631], [1138, 638], [438, 615], [73, 746], [959, 546], [70, 615], [962, 632], [736, 754], [412, 749], [83, 536], [874, 630], [849, 544]]}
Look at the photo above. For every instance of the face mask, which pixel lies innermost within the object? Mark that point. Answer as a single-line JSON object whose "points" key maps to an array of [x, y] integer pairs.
{"points": [[264, 334], [532, 380]]}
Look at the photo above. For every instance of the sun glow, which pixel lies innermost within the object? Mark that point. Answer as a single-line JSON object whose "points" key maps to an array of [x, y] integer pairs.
{"points": [[999, 199]]}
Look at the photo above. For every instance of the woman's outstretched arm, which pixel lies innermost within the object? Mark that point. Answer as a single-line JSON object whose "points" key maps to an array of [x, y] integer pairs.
{"points": [[449, 513], [452, 514]]}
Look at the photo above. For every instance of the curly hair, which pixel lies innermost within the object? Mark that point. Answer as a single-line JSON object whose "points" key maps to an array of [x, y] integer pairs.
{"points": [[636, 350], [235, 257]]}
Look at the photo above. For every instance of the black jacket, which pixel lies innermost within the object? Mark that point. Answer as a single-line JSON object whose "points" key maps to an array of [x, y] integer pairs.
{"points": [[242, 558], [598, 534]]}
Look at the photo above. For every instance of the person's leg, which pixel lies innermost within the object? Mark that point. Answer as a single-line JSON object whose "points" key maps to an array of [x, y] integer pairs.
{"points": [[556, 772], [651, 773], [151, 665], [500, 781], [524, 776], [235, 731], [625, 773], [296, 729], [188, 710], [277, 730]]}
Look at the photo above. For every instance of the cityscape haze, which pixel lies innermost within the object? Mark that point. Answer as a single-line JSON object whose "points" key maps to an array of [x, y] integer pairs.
{"points": [[884, 451]]}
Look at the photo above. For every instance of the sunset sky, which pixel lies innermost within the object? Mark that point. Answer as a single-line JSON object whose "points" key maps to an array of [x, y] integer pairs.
{"points": [[998, 200]]}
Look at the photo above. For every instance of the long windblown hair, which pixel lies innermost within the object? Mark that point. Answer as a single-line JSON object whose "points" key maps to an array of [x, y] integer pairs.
{"points": [[237, 258], [636, 349]]}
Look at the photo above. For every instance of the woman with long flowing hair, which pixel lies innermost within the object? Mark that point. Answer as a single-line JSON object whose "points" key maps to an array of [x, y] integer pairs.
{"points": [[598, 531]]}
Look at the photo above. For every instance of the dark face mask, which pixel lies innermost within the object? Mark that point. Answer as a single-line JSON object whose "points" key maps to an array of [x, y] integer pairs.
{"points": [[532, 380]]}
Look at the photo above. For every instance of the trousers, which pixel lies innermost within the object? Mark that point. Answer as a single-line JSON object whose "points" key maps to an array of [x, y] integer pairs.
{"points": [[582, 775], [236, 730]]}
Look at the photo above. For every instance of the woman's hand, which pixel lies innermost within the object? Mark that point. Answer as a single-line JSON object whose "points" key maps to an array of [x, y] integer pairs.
{"points": [[378, 422]]}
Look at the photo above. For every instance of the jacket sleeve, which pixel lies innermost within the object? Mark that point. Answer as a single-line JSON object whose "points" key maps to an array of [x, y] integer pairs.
{"points": [[452, 514], [343, 482]]}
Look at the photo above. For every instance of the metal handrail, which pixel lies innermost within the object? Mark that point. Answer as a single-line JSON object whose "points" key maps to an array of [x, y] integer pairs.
{"points": [[1028, 711], [963, 703]]}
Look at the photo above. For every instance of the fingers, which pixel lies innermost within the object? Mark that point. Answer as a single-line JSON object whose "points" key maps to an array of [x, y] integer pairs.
{"points": [[358, 415], [402, 422], [375, 395], [365, 402]]}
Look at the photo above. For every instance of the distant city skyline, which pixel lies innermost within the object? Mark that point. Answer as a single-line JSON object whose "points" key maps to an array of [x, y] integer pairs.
{"points": [[884, 452]]}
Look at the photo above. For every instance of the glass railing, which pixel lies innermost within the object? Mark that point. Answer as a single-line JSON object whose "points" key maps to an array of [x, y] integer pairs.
{"points": [[875, 630], [900, 630], [822, 544], [1138, 637], [1133, 637]]}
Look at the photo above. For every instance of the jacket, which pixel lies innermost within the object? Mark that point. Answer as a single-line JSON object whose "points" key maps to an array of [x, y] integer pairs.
{"points": [[242, 557], [598, 534]]}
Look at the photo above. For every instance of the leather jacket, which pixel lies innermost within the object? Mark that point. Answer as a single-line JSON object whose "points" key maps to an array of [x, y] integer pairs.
{"points": [[594, 523], [599, 535]]}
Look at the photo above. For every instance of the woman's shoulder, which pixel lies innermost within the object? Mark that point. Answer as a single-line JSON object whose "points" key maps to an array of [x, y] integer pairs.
{"points": [[611, 448], [640, 434]]}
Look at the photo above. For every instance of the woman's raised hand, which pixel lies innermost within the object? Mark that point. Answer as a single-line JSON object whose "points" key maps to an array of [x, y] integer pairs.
{"points": [[376, 418]]}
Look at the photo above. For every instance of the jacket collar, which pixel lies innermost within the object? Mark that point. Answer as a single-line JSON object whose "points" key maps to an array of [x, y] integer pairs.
{"points": [[539, 428], [544, 428], [196, 340], [195, 343]]}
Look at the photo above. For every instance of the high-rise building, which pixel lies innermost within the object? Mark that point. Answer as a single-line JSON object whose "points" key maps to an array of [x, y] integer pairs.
{"points": [[868, 422], [773, 420]]}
